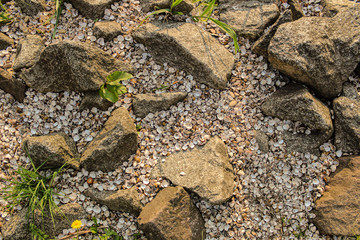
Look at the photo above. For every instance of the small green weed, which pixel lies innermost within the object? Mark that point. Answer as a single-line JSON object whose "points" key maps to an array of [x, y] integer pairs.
{"points": [[34, 190], [138, 127], [4, 15], [162, 87], [206, 8], [113, 88], [58, 8]]}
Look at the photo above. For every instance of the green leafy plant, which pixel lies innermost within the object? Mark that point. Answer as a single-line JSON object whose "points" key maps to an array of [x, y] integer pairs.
{"points": [[34, 190], [112, 89], [206, 8], [4, 15], [58, 8]]}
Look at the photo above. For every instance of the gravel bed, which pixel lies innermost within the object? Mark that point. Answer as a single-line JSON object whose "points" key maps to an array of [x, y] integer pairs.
{"points": [[275, 192]]}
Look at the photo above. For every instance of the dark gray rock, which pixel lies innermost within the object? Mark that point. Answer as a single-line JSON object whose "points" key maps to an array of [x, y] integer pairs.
{"points": [[319, 52], [143, 104], [71, 66], [263, 141], [347, 124], [17, 227], [204, 170], [31, 7], [113, 145], [337, 211], [172, 215], [5, 41], [92, 9], [122, 200], [350, 91], [93, 99], [357, 70], [53, 150], [107, 30], [261, 45], [296, 9], [28, 52], [190, 49], [249, 18], [12, 85], [185, 6], [294, 102], [332, 7]]}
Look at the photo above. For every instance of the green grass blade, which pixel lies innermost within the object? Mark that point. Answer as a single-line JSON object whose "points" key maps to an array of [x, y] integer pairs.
{"points": [[154, 13], [226, 28], [58, 9], [175, 3], [208, 9]]}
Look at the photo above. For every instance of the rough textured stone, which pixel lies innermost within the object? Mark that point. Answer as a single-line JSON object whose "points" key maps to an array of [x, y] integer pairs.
{"points": [[185, 6], [294, 102], [113, 145], [92, 8], [262, 44], [190, 49], [17, 227], [93, 99], [263, 141], [12, 85], [172, 215], [204, 170], [337, 211], [107, 29], [31, 7], [71, 66], [28, 52], [319, 52], [357, 70], [332, 7], [122, 200], [249, 18], [52, 150], [143, 104], [350, 91], [296, 9], [5, 41], [347, 124]]}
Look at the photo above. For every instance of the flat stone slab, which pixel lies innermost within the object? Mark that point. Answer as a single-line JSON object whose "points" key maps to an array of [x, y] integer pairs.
{"points": [[72, 66], [12, 85], [188, 48], [204, 170], [28, 52], [92, 8], [249, 18], [337, 211], [143, 104], [318, 51], [107, 29]]}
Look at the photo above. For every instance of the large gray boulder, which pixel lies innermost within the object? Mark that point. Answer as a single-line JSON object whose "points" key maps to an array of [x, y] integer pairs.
{"points": [[249, 18], [31, 7], [12, 85], [122, 200], [5, 41], [172, 215], [319, 52], [337, 211], [52, 151], [28, 52], [71, 66], [262, 44], [143, 104], [185, 6], [294, 102], [113, 145], [190, 49], [347, 124], [17, 227], [204, 170], [92, 9], [332, 7]]}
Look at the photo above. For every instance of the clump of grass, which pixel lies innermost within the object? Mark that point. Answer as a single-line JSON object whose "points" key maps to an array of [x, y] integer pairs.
{"points": [[34, 190], [4, 15]]}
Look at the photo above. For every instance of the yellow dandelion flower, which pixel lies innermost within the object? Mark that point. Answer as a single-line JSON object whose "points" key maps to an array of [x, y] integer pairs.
{"points": [[76, 224]]}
